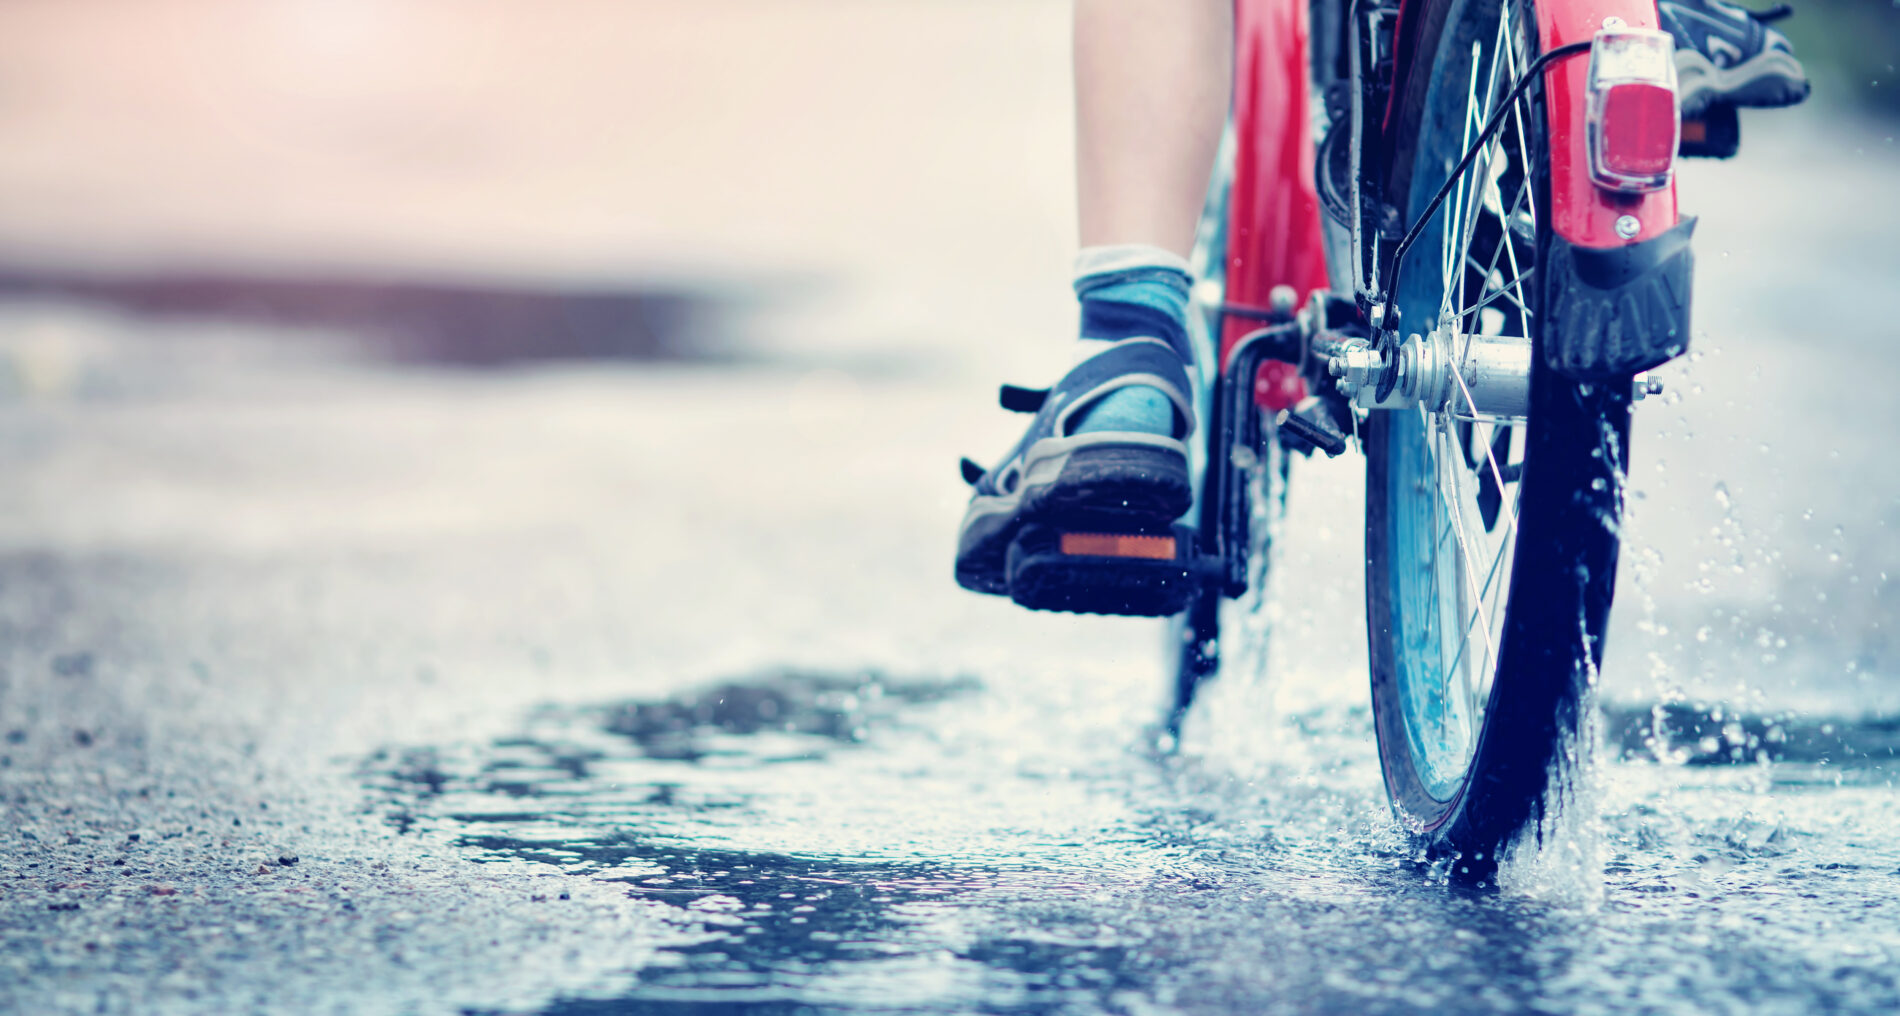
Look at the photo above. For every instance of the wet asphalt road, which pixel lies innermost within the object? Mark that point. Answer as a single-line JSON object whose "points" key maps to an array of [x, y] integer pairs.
{"points": [[336, 684], [341, 679]]}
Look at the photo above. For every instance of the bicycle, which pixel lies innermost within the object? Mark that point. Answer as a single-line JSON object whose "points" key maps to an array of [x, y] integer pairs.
{"points": [[1463, 264]]}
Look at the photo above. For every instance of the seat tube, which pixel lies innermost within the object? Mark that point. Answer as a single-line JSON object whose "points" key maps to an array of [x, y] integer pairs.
{"points": [[1273, 231]]}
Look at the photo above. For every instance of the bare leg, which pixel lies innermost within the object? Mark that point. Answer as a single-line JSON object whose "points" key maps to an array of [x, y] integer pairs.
{"points": [[1152, 79]]}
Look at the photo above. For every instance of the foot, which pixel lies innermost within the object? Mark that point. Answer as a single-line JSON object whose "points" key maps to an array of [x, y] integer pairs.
{"points": [[1130, 477], [1106, 452], [1726, 55]]}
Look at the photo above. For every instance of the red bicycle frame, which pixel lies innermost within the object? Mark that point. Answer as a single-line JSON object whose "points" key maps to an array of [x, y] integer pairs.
{"points": [[1273, 229]]}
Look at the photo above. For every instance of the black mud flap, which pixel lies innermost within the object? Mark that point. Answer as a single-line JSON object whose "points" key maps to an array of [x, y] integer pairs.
{"points": [[1612, 312]]}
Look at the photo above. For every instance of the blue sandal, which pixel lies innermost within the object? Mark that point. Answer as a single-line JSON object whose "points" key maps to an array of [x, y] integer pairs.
{"points": [[1077, 485]]}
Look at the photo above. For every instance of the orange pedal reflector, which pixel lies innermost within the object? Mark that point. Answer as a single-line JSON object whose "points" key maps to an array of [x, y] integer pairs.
{"points": [[1154, 548]]}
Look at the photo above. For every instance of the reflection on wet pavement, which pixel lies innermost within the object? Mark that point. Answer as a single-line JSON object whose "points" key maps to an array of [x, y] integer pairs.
{"points": [[869, 843], [489, 322], [1712, 735]]}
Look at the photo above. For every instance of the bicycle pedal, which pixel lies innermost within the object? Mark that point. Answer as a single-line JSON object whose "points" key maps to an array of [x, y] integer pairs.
{"points": [[1714, 133], [1306, 428], [1144, 574]]}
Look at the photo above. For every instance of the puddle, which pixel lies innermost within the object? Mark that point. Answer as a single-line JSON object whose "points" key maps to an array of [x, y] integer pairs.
{"points": [[874, 843]]}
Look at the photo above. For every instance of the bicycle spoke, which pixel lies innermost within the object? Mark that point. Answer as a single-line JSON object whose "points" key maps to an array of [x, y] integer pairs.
{"points": [[1504, 243], [1502, 293], [1469, 570], [1452, 505], [1496, 561], [1506, 547], [1459, 205], [1439, 533], [1517, 275], [1517, 110]]}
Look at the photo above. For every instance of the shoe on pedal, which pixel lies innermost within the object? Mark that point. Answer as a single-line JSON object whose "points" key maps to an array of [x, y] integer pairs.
{"points": [[1729, 56], [1079, 516], [1070, 474]]}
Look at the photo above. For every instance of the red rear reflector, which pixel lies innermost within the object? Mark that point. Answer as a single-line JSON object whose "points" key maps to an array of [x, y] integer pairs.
{"points": [[1639, 130], [1632, 120], [1154, 548]]}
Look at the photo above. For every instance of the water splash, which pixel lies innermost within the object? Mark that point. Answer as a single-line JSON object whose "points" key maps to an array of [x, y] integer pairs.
{"points": [[1232, 711], [1560, 858]]}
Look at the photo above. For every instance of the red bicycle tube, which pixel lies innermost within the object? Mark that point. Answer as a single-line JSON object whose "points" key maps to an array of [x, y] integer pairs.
{"points": [[1273, 230]]}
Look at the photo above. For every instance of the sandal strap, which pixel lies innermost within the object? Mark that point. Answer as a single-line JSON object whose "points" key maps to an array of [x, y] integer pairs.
{"points": [[1149, 363], [1022, 400]]}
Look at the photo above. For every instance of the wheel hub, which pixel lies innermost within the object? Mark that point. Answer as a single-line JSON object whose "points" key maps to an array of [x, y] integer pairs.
{"points": [[1479, 376]]}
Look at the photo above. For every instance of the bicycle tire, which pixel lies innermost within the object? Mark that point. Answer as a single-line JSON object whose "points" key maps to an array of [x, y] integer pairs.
{"points": [[1469, 767]]}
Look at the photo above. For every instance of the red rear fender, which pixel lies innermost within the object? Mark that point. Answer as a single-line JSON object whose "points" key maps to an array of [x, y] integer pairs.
{"points": [[1584, 213]]}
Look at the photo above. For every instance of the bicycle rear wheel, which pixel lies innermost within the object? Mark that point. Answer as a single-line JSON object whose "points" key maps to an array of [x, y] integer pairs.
{"points": [[1491, 541]]}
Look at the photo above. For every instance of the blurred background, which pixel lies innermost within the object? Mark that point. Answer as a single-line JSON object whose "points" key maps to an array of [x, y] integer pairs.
{"points": [[672, 155], [303, 241], [374, 371]]}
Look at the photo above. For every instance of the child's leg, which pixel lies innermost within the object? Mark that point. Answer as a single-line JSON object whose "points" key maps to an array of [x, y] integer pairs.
{"points": [[1152, 79], [1151, 87], [1107, 449]]}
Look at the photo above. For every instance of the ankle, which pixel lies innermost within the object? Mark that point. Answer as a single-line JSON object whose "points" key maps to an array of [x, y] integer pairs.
{"points": [[1133, 291]]}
